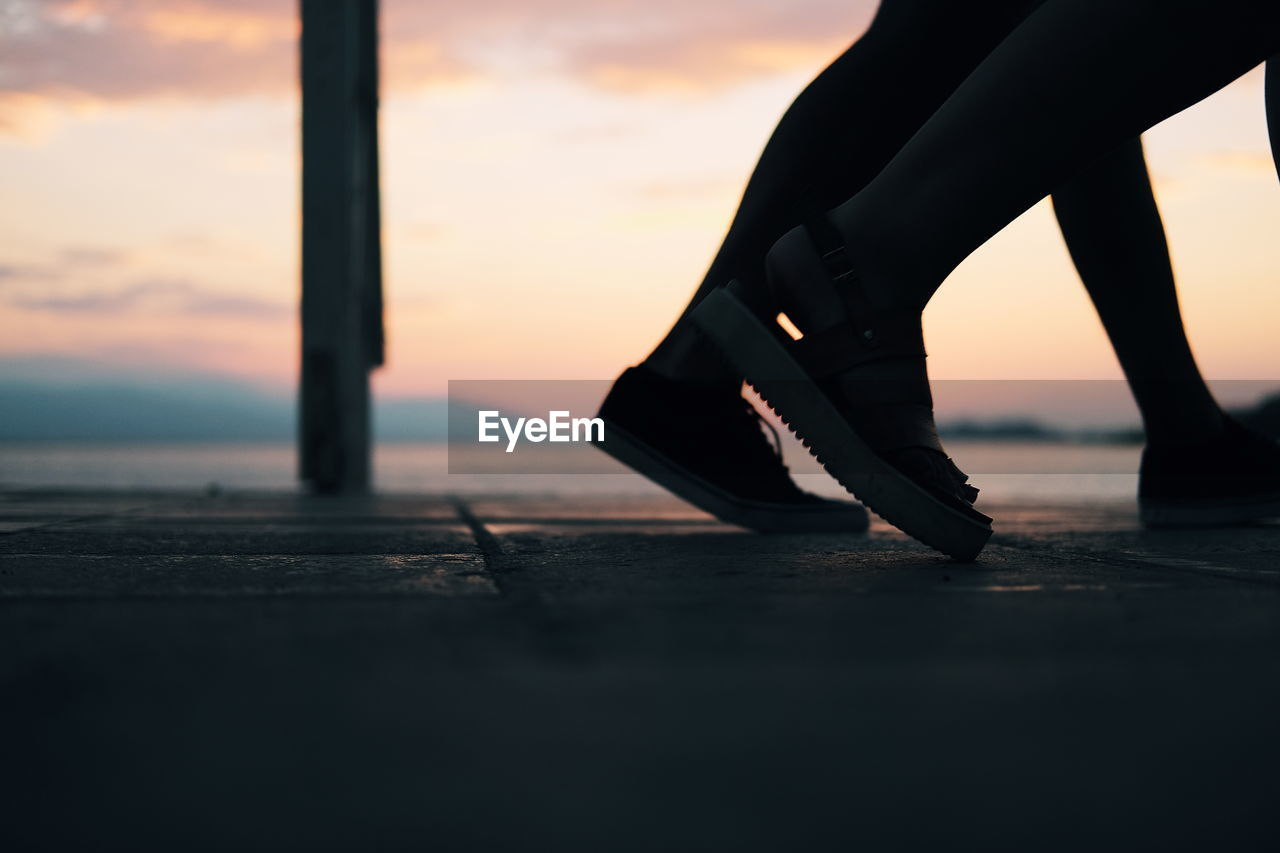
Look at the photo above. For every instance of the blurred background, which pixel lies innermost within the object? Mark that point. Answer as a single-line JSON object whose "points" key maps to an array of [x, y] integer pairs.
{"points": [[556, 174]]}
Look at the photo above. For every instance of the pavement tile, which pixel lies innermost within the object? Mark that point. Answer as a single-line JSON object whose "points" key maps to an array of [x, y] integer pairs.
{"points": [[61, 575], [291, 673], [266, 539], [586, 509], [636, 561]]}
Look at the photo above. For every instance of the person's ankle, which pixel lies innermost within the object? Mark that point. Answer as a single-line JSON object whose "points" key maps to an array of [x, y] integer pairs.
{"points": [[886, 285]]}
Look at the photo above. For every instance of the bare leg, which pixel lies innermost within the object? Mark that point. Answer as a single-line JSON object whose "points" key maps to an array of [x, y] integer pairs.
{"points": [[1113, 231]]}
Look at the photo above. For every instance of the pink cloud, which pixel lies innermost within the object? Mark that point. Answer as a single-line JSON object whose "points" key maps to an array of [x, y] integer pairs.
{"points": [[112, 50]]}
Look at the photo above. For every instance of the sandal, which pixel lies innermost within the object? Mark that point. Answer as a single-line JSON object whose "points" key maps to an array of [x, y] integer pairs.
{"points": [[849, 380]]}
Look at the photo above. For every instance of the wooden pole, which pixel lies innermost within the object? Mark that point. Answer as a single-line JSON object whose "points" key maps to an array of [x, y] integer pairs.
{"points": [[342, 336]]}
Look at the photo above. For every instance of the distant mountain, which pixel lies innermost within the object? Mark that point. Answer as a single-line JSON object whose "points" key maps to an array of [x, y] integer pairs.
{"points": [[69, 406], [1264, 417], [119, 412], [1005, 429], [68, 400], [413, 419]]}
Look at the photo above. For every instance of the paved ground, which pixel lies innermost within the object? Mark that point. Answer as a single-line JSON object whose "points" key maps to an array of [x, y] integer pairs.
{"points": [[257, 672]]}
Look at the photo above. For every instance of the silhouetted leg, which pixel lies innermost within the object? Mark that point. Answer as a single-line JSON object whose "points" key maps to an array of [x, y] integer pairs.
{"points": [[837, 135], [1072, 82], [1112, 226]]}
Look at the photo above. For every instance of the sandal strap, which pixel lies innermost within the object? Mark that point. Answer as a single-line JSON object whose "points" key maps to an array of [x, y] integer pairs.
{"points": [[863, 334], [829, 242], [897, 419]]}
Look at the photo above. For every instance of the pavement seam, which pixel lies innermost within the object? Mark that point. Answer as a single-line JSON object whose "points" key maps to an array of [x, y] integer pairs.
{"points": [[79, 519], [263, 594], [490, 548]]}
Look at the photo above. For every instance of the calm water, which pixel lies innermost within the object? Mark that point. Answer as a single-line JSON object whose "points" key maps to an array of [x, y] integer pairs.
{"points": [[1004, 471]]}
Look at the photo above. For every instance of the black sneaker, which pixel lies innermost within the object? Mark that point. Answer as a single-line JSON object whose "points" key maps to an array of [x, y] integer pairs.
{"points": [[1233, 479], [706, 446]]}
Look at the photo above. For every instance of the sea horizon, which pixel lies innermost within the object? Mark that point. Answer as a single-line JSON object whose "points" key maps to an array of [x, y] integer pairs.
{"points": [[1070, 472]]}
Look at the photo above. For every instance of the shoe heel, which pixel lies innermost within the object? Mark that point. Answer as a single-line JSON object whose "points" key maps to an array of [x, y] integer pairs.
{"points": [[802, 281], [728, 317]]}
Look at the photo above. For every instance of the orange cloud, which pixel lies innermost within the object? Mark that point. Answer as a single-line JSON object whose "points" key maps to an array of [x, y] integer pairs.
{"points": [[69, 51], [237, 29], [92, 281]]}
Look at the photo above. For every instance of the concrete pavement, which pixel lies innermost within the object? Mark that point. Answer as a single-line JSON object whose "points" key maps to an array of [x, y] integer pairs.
{"points": [[280, 672]]}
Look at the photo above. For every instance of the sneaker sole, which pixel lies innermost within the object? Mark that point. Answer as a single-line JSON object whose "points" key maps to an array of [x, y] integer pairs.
{"points": [[760, 516], [1209, 513], [786, 388]]}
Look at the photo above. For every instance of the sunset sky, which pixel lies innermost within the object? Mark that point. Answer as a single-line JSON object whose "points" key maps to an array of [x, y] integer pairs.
{"points": [[557, 173]]}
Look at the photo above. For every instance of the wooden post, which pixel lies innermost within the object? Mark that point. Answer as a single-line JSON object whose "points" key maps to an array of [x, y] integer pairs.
{"points": [[342, 336]]}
